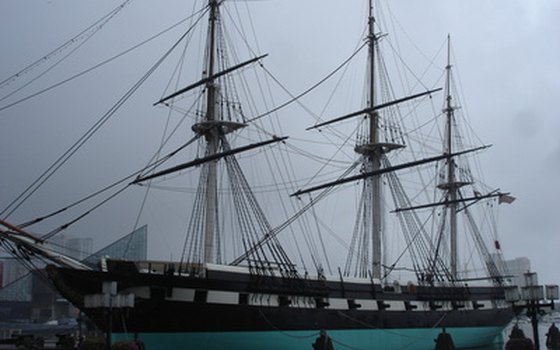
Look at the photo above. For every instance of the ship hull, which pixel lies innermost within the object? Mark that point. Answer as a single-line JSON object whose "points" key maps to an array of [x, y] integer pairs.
{"points": [[232, 309]]}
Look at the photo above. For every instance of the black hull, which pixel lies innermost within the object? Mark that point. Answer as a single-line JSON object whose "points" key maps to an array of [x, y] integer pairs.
{"points": [[266, 304], [188, 317]]}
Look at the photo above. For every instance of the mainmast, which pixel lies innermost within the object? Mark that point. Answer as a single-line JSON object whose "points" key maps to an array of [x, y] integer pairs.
{"points": [[374, 158], [372, 151], [212, 138]]}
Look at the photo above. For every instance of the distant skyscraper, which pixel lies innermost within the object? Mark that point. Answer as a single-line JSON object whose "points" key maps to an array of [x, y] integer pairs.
{"points": [[18, 290], [12, 270], [79, 248], [516, 268]]}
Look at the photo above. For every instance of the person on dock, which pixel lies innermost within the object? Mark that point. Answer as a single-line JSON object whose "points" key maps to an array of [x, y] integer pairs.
{"points": [[518, 341], [553, 338], [444, 341], [323, 342]]}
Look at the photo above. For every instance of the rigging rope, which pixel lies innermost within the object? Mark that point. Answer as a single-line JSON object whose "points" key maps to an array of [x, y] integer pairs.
{"points": [[87, 33], [422, 250], [297, 97], [68, 224], [104, 189], [273, 233], [40, 92], [31, 189], [488, 261]]}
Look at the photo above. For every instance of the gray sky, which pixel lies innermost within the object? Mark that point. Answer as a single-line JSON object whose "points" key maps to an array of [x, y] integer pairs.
{"points": [[507, 56]]}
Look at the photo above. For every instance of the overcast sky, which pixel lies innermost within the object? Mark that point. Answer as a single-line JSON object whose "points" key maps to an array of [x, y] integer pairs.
{"points": [[507, 56]]}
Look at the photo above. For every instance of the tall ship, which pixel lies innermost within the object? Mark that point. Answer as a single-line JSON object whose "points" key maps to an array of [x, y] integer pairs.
{"points": [[244, 281]]}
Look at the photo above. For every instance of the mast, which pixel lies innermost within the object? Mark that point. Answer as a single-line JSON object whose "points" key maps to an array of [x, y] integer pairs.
{"points": [[212, 139], [451, 169], [372, 150], [220, 115], [374, 157], [452, 186]]}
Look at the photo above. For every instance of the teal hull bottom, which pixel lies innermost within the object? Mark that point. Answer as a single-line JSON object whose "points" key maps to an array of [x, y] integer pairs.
{"points": [[368, 339]]}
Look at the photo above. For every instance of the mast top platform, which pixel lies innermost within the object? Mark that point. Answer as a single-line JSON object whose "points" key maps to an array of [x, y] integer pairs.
{"points": [[377, 148], [225, 127]]}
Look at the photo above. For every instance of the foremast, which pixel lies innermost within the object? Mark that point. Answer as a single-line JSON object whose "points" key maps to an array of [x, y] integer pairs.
{"points": [[213, 128], [220, 114], [372, 152]]}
